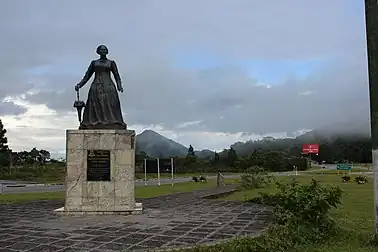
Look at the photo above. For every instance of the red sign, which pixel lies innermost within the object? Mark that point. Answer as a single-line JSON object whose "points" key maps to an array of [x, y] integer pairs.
{"points": [[310, 148]]}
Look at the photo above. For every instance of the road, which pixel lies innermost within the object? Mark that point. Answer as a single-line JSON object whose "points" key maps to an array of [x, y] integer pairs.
{"points": [[6, 187], [333, 167], [56, 188]]}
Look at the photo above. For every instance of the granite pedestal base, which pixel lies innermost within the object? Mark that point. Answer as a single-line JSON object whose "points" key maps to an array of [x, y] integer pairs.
{"points": [[116, 195]]}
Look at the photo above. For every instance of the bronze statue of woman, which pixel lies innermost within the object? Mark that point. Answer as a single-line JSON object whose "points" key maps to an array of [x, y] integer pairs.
{"points": [[103, 108]]}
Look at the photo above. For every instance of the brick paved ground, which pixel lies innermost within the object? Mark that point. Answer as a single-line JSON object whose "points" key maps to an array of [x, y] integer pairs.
{"points": [[169, 221]]}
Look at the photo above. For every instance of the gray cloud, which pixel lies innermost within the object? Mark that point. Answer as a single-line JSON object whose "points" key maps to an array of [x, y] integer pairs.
{"points": [[142, 35], [9, 108]]}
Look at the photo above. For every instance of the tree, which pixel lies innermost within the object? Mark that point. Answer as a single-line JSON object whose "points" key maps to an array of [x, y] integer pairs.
{"points": [[4, 149], [43, 156], [216, 157], [232, 158], [3, 138]]}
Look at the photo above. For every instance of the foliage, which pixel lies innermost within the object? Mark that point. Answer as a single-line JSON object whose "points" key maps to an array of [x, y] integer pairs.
{"points": [[345, 178], [361, 179], [332, 149], [4, 149], [232, 158], [301, 216], [304, 207], [255, 177], [3, 138]]}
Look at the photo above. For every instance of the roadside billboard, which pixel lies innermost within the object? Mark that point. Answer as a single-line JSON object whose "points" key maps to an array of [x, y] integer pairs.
{"points": [[310, 148]]}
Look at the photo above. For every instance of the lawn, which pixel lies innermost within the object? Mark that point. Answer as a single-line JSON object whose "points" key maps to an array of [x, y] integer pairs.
{"points": [[140, 192], [178, 175], [57, 175], [355, 214], [325, 171]]}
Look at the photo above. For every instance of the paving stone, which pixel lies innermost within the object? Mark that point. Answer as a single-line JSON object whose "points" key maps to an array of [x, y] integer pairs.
{"points": [[204, 230], [182, 228], [105, 238], [88, 244], [95, 232], [17, 232], [163, 238], [109, 229], [128, 240], [7, 250], [173, 233], [139, 236], [23, 246], [4, 237], [153, 243], [189, 240], [45, 240], [45, 248], [217, 236], [56, 235], [81, 237], [113, 246], [73, 250], [23, 239], [172, 220], [228, 231], [65, 243], [80, 231], [196, 235], [136, 248]]}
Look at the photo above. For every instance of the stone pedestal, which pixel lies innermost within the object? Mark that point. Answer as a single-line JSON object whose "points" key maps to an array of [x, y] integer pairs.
{"points": [[116, 195]]}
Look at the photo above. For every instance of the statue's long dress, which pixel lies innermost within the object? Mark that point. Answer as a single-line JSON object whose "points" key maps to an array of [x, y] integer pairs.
{"points": [[103, 108]]}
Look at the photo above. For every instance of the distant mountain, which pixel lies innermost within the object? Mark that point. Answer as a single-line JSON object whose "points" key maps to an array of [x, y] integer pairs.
{"points": [[351, 128], [348, 129], [156, 145]]}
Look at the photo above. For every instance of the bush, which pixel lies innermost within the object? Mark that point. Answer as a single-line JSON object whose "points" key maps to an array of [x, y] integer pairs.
{"points": [[304, 209], [361, 180], [345, 178], [195, 179], [255, 177], [202, 179], [301, 216]]}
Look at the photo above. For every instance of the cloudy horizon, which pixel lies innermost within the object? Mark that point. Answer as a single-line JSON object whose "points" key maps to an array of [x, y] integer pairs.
{"points": [[202, 73]]}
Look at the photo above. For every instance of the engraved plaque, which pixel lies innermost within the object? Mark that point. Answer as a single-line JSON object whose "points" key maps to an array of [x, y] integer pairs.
{"points": [[98, 165]]}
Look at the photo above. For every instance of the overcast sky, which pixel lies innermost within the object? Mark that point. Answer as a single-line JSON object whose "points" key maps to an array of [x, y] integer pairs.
{"points": [[206, 73]]}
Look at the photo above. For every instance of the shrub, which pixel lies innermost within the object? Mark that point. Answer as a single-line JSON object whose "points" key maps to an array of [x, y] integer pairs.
{"points": [[304, 208], [301, 216], [345, 178], [202, 179], [195, 179], [255, 177], [361, 180]]}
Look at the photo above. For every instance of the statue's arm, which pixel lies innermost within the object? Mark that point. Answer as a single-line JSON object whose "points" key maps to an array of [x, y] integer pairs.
{"points": [[115, 72], [87, 75]]}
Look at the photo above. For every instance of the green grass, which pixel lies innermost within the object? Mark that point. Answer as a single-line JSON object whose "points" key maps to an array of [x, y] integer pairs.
{"points": [[139, 175], [354, 214], [56, 174], [140, 192], [325, 171]]}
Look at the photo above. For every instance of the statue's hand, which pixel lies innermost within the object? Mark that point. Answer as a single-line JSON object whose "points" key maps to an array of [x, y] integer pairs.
{"points": [[77, 87], [120, 89]]}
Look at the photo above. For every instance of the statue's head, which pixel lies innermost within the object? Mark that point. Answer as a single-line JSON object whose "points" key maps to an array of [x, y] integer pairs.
{"points": [[102, 50]]}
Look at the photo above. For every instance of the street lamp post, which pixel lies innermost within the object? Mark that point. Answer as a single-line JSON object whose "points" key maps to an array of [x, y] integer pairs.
{"points": [[371, 16]]}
